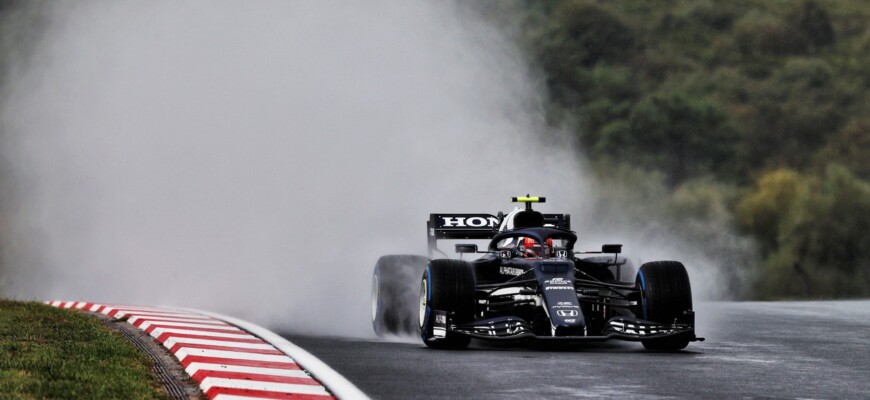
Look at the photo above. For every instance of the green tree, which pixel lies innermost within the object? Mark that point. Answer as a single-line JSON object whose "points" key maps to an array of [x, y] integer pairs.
{"points": [[820, 226], [850, 147], [794, 112], [816, 24], [763, 211], [828, 236], [760, 34], [581, 34], [680, 135]]}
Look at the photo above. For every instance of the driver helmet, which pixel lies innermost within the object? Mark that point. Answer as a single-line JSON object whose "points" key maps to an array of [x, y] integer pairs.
{"points": [[529, 247]]}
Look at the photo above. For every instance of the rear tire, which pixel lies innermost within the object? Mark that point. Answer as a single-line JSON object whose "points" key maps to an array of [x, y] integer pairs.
{"points": [[447, 285], [394, 294], [665, 296]]}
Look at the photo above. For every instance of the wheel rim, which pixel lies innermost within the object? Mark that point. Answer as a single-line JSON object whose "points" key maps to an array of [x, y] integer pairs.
{"points": [[424, 294], [376, 294]]}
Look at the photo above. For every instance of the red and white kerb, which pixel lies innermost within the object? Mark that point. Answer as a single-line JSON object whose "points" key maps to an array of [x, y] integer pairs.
{"points": [[227, 362]]}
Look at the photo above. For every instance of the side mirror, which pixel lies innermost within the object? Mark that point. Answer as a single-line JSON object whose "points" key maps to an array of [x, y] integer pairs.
{"points": [[466, 248], [611, 248]]}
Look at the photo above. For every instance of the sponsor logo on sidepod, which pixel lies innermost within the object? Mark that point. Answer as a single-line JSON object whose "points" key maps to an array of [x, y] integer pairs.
{"points": [[510, 271]]}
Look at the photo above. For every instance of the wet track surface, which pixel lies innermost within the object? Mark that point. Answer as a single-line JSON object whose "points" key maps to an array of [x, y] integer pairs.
{"points": [[769, 350]]}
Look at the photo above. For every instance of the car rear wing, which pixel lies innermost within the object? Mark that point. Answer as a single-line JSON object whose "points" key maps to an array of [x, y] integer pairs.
{"points": [[476, 226]]}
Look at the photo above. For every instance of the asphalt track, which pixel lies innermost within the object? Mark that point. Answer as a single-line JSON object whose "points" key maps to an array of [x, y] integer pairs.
{"points": [[753, 350]]}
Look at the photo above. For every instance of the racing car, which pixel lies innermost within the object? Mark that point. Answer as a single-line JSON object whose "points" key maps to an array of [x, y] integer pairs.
{"points": [[529, 284]]}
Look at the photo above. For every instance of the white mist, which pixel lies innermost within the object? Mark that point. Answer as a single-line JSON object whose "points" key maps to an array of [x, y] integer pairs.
{"points": [[255, 158]]}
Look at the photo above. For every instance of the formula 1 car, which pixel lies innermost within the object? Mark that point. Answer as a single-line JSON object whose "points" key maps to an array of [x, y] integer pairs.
{"points": [[529, 285]]}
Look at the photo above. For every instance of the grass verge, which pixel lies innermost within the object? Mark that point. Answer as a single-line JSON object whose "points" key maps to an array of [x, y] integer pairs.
{"points": [[46, 352]]}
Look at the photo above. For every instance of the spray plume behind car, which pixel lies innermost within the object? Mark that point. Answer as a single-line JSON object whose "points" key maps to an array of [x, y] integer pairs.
{"points": [[256, 159]]}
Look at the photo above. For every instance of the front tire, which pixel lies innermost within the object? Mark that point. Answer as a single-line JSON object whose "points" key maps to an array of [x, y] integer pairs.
{"points": [[447, 285], [665, 297], [394, 294]]}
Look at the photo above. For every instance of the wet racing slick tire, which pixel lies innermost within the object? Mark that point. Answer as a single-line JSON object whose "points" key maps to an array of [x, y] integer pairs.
{"points": [[394, 294], [448, 286], [665, 296]]}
